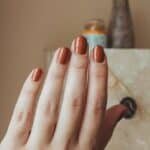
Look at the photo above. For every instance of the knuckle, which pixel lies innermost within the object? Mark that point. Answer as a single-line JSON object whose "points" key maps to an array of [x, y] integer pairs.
{"points": [[29, 89], [57, 71], [19, 116], [76, 103], [23, 122], [79, 66], [99, 71], [97, 109], [50, 109], [79, 63], [100, 74], [30, 92], [99, 105], [57, 75], [24, 118]]}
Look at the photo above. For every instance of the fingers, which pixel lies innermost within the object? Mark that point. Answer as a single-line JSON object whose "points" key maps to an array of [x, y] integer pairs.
{"points": [[49, 101], [73, 100], [21, 121], [97, 96], [112, 118]]}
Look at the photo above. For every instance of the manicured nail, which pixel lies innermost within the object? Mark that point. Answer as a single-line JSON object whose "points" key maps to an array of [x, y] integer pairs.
{"points": [[98, 54], [63, 55], [37, 74], [80, 45]]}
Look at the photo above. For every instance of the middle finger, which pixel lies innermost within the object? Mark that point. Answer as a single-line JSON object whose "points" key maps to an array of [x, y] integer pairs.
{"points": [[73, 101]]}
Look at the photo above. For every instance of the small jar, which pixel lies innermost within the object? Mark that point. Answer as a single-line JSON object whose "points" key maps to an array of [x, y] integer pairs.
{"points": [[95, 33]]}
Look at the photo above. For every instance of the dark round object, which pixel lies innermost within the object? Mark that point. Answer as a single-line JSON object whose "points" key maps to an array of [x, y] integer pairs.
{"points": [[130, 103]]}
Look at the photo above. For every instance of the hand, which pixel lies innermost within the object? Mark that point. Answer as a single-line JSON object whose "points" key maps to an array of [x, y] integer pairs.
{"points": [[79, 121]]}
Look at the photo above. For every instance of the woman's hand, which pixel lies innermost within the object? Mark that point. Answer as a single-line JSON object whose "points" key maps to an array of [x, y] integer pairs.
{"points": [[79, 120]]}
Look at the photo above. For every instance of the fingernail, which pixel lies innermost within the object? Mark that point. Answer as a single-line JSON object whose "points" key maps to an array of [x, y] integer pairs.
{"points": [[37, 74], [63, 55], [80, 45], [98, 54]]}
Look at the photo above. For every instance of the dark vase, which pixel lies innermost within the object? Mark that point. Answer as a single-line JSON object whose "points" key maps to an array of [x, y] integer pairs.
{"points": [[120, 32]]}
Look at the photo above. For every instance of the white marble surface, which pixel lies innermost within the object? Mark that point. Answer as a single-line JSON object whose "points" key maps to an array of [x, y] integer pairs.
{"points": [[132, 77]]}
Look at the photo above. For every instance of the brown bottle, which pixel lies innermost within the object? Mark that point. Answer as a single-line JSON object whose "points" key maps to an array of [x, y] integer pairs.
{"points": [[120, 32]]}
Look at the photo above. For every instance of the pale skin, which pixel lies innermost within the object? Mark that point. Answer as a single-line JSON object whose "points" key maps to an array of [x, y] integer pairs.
{"points": [[78, 120]]}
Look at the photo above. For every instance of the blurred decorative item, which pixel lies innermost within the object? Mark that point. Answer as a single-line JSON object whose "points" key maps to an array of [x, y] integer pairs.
{"points": [[95, 33], [120, 32]]}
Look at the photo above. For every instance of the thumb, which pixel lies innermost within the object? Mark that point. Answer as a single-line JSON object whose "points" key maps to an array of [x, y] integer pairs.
{"points": [[112, 118]]}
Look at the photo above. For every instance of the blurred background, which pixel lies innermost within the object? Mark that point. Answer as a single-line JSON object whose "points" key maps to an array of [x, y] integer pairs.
{"points": [[27, 27]]}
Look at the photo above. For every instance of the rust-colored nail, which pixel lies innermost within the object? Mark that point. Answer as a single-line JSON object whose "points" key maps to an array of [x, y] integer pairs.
{"points": [[63, 55], [36, 74], [98, 54], [80, 45]]}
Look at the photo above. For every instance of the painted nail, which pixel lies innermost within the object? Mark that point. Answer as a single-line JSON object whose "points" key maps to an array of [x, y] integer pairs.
{"points": [[63, 55], [37, 74], [98, 54], [80, 45]]}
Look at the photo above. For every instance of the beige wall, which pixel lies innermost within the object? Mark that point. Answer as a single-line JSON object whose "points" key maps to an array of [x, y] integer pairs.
{"points": [[28, 26]]}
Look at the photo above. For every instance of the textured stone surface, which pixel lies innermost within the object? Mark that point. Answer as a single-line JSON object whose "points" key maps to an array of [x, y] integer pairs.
{"points": [[130, 76]]}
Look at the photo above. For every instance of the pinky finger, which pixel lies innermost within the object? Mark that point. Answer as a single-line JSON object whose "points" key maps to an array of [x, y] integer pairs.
{"points": [[22, 118]]}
